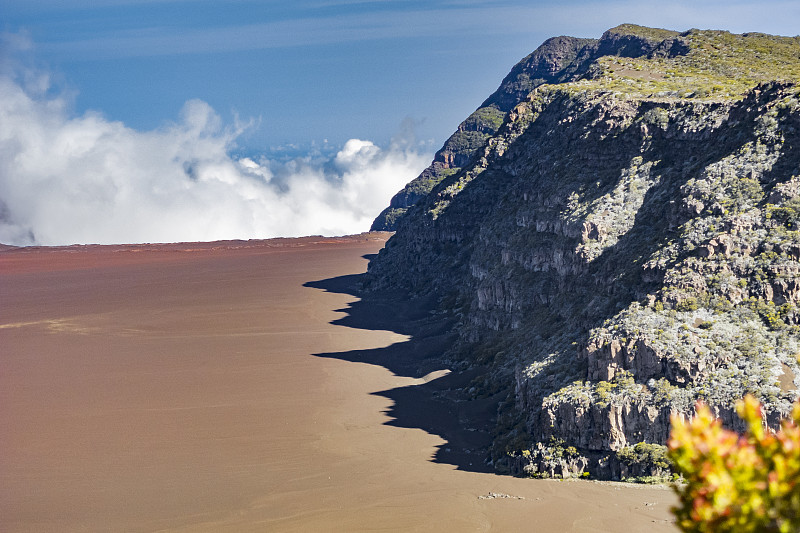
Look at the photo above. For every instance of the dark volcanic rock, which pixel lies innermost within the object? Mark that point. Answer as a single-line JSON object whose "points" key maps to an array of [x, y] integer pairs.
{"points": [[624, 243]]}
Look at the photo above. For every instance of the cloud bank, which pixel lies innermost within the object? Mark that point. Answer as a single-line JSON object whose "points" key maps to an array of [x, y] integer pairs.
{"points": [[68, 179]]}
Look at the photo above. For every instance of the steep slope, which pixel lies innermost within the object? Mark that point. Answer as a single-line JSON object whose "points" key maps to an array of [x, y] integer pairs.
{"points": [[557, 60], [625, 243], [542, 66]]}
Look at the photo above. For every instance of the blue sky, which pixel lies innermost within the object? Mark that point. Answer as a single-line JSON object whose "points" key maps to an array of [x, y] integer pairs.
{"points": [[165, 120], [316, 69]]}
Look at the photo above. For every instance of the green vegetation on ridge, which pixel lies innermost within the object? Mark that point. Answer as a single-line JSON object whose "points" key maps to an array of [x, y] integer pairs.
{"points": [[718, 64]]}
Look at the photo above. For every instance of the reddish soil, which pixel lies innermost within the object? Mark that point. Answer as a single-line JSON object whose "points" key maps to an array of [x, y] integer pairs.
{"points": [[175, 388]]}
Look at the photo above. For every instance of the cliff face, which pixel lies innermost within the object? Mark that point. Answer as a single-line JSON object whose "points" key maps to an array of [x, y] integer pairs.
{"points": [[624, 243], [557, 60], [542, 66]]}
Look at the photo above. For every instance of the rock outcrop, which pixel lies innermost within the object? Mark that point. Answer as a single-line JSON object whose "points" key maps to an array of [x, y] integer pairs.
{"points": [[625, 242], [542, 66]]}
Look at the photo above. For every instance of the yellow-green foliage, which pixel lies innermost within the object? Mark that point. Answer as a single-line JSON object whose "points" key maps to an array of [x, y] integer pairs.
{"points": [[647, 456], [657, 34], [788, 214], [741, 484], [718, 65]]}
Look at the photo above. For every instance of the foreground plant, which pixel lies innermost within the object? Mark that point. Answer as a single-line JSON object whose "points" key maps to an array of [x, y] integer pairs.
{"points": [[737, 483]]}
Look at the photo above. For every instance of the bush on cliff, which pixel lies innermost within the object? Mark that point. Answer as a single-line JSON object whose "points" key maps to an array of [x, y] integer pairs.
{"points": [[644, 462], [737, 483]]}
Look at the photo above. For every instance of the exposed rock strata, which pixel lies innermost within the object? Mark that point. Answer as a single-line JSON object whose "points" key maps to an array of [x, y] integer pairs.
{"points": [[616, 255]]}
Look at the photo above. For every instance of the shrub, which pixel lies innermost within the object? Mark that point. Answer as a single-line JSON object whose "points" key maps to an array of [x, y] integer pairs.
{"points": [[645, 460], [788, 214], [747, 483], [687, 304]]}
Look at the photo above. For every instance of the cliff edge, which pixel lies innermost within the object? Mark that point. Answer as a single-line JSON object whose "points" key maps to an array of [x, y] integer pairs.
{"points": [[617, 231]]}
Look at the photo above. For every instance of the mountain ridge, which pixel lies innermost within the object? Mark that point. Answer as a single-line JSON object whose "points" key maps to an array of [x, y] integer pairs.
{"points": [[624, 243]]}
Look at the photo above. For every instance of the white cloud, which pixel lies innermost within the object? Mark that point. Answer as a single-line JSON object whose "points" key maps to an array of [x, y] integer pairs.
{"points": [[84, 179]]}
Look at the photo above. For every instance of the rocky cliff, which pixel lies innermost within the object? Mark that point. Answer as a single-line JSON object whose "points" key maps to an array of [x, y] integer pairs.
{"points": [[621, 240], [545, 65]]}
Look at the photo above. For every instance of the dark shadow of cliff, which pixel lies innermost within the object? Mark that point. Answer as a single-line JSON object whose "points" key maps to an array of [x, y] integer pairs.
{"points": [[436, 403], [563, 307]]}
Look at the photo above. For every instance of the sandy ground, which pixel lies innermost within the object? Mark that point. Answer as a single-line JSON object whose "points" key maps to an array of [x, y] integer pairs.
{"points": [[175, 388]]}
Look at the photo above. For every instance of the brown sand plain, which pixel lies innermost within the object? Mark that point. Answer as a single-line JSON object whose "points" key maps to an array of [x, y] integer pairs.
{"points": [[175, 388]]}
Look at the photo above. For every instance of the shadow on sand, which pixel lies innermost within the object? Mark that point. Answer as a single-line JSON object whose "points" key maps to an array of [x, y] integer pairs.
{"points": [[437, 404]]}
